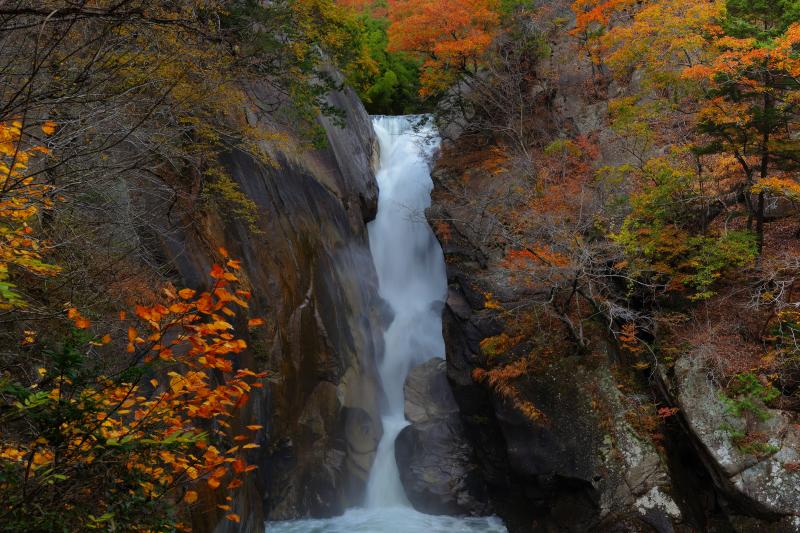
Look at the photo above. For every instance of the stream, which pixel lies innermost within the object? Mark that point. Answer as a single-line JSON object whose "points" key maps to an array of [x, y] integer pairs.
{"points": [[412, 280]]}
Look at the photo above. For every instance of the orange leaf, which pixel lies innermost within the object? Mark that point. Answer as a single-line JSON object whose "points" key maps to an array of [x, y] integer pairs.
{"points": [[213, 482], [255, 322], [217, 272], [233, 517], [190, 496], [186, 294], [49, 127]]}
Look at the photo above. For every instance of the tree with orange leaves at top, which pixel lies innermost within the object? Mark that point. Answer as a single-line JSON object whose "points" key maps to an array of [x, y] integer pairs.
{"points": [[119, 449], [752, 96], [730, 65], [21, 198], [451, 36]]}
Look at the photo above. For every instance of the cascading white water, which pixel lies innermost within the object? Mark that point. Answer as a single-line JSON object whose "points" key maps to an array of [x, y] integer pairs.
{"points": [[412, 280]]}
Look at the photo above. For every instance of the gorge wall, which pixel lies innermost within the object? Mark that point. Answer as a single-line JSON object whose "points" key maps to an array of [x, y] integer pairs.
{"points": [[590, 458], [307, 262]]}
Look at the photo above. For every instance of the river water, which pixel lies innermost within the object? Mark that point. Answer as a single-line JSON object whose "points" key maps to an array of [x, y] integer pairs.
{"points": [[412, 280]]}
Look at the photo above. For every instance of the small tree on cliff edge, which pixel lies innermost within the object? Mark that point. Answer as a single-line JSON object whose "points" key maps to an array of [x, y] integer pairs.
{"points": [[752, 92]]}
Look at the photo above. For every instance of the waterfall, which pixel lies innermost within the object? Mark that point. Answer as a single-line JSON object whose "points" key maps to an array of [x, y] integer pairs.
{"points": [[412, 280]]}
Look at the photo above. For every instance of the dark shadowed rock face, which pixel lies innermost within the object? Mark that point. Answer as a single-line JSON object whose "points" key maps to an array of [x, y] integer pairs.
{"points": [[308, 266], [582, 467], [436, 462]]}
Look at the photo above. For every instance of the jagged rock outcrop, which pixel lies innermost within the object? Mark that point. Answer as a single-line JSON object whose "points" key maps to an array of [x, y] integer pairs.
{"points": [[763, 482], [307, 262], [436, 462], [582, 466]]}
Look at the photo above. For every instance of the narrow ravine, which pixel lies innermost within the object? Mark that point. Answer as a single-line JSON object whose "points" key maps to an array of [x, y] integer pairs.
{"points": [[413, 282]]}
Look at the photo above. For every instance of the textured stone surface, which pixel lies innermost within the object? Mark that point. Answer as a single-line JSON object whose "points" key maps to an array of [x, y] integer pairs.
{"points": [[766, 485], [582, 466], [437, 466], [308, 265]]}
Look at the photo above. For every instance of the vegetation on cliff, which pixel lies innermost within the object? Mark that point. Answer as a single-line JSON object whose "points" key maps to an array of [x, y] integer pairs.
{"points": [[658, 218], [121, 395], [620, 233]]}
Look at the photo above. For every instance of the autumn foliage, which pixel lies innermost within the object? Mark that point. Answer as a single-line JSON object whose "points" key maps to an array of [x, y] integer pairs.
{"points": [[451, 36], [21, 198], [120, 449]]}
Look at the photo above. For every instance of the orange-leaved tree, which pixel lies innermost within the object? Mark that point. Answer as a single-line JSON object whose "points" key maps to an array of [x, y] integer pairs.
{"points": [[592, 18], [21, 198], [129, 445], [450, 35], [752, 89]]}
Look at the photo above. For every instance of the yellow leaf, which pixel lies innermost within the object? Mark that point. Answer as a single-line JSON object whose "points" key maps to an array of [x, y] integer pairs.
{"points": [[251, 445]]}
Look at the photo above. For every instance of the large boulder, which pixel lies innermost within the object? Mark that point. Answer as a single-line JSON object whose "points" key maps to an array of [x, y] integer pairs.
{"points": [[766, 485], [436, 462]]}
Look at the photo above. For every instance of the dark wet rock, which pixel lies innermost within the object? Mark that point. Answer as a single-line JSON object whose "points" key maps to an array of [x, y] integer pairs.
{"points": [[437, 467], [582, 466], [306, 261]]}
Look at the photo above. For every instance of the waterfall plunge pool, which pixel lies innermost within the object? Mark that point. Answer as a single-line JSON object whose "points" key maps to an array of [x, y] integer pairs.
{"points": [[389, 520], [413, 282]]}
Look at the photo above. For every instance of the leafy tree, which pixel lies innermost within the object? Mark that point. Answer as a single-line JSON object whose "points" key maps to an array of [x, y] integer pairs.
{"points": [[391, 86], [450, 35], [21, 198], [750, 108], [732, 66], [85, 449]]}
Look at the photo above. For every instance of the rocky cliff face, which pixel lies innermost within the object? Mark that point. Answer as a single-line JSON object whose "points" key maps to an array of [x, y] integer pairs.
{"points": [[583, 466], [308, 265], [589, 460]]}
